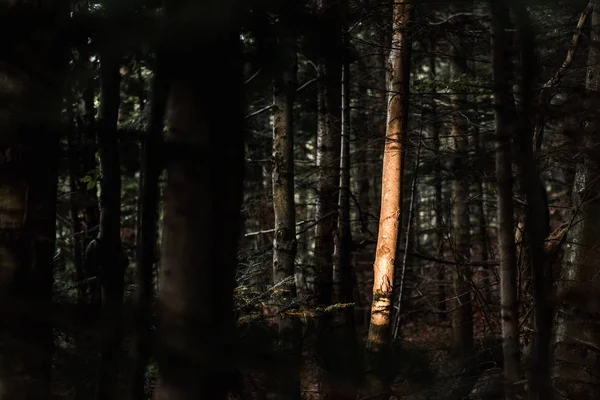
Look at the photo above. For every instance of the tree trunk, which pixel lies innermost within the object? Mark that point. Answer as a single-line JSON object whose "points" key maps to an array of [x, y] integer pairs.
{"points": [[578, 332], [438, 196], [32, 83], [383, 268], [106, 250], [537, 215], [501, 65], [343, 374], [202, 204], [328, 148], [74, 202], [284, 243], [462, 314], [89, 196], [147, 231]]}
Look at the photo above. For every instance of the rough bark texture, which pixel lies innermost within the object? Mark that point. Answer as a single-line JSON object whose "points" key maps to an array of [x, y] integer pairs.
{"points": [[501, 66], [462, 314], [31, 83], [202, 208], [383, 268], [284, 242], [147, 231], [328, 148], [578, 333]]}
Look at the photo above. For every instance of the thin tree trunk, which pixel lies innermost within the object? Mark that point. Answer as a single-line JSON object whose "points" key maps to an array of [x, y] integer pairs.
{"points": [[202, 221], [32, 81], [147, 231], [578, 332], [74, 202], [328, 148], [89, 196], [438, 196], [501, 65], [344, 374], [383, 268], [284, 242], [462, 314], [537, 217], [107, 249]]}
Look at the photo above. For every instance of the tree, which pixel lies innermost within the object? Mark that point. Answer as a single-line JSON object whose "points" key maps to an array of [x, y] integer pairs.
{"points": [[202, 203], [387, 240], [147, 230], [504, 118], [462, 314], [577, 333], [284, 240], [328, 146], [32, 83]]}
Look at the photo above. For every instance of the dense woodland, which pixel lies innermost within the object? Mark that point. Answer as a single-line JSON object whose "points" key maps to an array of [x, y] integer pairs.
{"points": [[299, 199]]}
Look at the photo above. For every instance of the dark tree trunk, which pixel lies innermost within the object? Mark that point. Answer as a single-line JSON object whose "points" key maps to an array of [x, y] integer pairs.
{"points": [[147, 230], [284, 244], [106, 249], [32, 83], [202, 221], [328, 148], [502, 70], [537, 215]]}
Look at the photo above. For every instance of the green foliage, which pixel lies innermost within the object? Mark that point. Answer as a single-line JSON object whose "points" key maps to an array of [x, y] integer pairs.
{"points": [[91, 178]]}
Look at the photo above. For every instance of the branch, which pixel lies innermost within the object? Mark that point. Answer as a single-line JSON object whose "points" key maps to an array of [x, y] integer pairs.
{"points": [[267, 108], [546, 92]]}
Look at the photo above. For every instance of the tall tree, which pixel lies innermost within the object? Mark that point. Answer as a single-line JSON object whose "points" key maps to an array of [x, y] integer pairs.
{"points": [[147, 229], [328, 146], [32, 82], [578, 333], [284, 241], [106, 249], [387, 241], [502, 71], [202, 202], [537, 217], [462, 314]]}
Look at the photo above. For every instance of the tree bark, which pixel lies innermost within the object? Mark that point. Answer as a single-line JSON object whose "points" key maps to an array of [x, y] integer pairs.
{"points": [[32, 83], [202, 204], [387, 241], [462, 314], [147, 230], [328, 148], [578, 333], [106, 249], [537, 215], [284, 242], [501, 66]]}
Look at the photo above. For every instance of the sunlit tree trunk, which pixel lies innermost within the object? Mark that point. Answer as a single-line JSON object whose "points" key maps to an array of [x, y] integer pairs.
{"points": [[202, 202], [284, 242], [462, 314], [32, 81], [505, 127], [578, 332], [387, 241]]}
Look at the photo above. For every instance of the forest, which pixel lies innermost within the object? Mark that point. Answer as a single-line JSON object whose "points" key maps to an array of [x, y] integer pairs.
{"points": [[299, 199]]}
